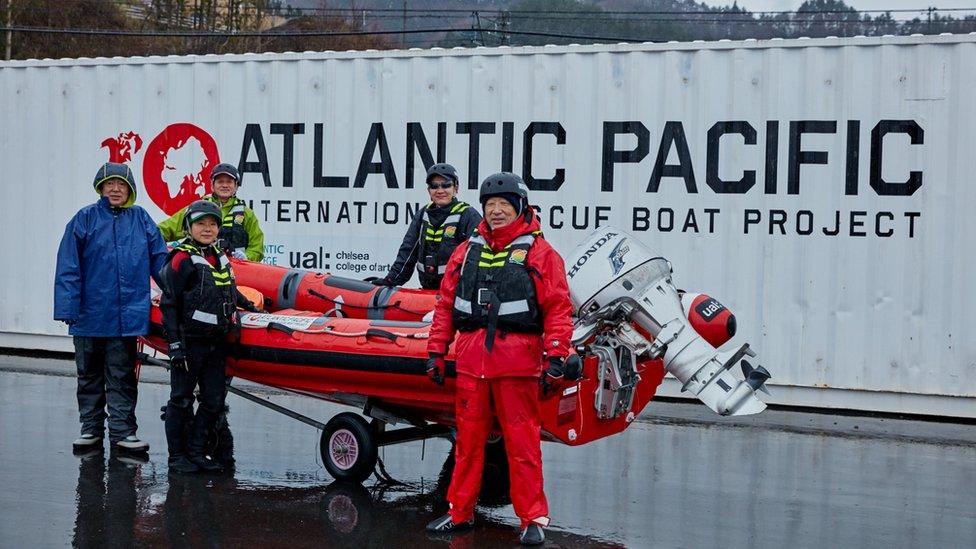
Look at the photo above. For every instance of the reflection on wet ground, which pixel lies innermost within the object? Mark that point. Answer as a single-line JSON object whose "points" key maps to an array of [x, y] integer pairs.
{"points": [[667, 484]]}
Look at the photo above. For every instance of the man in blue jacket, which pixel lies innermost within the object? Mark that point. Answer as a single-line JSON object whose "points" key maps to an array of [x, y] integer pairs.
{"points": [[101, 291]]}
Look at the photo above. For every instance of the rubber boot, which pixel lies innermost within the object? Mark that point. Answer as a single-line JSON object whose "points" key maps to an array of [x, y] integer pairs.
{"points": [[176, 420], [444, 524], [196, 449], [533, 534], [181, 464], [223, 441]]}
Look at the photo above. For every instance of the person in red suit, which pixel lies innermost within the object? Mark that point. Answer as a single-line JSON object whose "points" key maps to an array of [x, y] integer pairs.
{"points": [[506, 296]]}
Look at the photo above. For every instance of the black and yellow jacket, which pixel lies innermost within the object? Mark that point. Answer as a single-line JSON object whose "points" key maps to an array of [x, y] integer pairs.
{"points": [[432, 236], [200, 298]]}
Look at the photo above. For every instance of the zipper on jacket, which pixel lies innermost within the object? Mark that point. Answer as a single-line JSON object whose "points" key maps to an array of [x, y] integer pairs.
{"points": [[118, 268]]}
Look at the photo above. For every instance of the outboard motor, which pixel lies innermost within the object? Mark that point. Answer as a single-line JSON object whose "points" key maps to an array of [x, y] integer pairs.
{"points": [[628, 308]]}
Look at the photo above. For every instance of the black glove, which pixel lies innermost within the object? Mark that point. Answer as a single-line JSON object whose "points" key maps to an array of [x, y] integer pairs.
{"points": [[176, 357], [553, 374], [382, 282], [556, 368], [249, 307], [573, 368], [435, 368]]}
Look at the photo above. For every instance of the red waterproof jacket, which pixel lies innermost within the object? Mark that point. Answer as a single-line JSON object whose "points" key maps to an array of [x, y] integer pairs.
{"points": [[515, 354]]}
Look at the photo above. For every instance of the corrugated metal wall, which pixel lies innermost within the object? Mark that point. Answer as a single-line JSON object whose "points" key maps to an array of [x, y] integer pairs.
{"points": [[878, 312]]}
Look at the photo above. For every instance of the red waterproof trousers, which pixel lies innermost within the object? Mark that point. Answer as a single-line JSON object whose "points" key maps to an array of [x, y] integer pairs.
{"points": [[515, 402]]}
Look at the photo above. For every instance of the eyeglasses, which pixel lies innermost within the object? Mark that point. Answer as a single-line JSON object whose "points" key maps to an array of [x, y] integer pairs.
{"points": [[446, 185]]}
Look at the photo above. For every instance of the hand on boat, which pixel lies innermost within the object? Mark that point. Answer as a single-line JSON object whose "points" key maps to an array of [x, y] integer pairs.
{"points": [[435, 368], [556, 368], [380, 281], [573, 367], [553, 374]]}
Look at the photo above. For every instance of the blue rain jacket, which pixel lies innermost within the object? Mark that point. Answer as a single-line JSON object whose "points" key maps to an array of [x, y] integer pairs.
{"points": [[105, 260]]}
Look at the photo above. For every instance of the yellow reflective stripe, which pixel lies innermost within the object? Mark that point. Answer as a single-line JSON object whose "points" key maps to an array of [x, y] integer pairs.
{"points": [[459, 207], [222, 276], [497, 264], [491, 256], [433, 238]]}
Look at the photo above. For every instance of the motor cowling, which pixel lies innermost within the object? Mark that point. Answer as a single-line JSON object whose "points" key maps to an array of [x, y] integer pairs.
{"points": [[615, 280], [712, 320]]}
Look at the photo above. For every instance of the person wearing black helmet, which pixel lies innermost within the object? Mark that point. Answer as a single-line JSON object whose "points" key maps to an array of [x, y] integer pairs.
{"points": [[434, 233], [199, 305], [240, 234], [505, 300]]}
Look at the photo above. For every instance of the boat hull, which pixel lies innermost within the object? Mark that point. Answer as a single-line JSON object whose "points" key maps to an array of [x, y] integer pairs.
{"points": [[381, 365]]}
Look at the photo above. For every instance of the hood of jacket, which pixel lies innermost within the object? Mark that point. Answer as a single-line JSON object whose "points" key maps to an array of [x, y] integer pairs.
{"points": [[111, 170]]}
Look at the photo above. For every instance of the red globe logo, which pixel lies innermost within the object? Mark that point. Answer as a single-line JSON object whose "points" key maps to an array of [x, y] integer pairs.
{"points": [[177, 165]]}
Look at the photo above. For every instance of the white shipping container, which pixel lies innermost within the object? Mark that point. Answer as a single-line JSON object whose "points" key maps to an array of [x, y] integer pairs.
{"points": [[821, 189]]}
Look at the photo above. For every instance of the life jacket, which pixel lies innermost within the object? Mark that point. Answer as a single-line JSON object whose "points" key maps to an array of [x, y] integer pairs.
{"points": [[495, 290], [208, 306], [437, 245], [233, 235]]}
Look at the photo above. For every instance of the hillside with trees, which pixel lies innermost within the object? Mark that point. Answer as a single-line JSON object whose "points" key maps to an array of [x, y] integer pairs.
{"points": [[89, 28]]}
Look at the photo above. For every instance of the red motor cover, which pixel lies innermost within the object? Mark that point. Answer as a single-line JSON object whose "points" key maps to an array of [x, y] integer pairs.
{"points": [[709, 318], [304, 290]]}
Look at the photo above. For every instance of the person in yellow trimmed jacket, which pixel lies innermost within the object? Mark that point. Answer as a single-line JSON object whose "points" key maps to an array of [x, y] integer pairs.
{"points": [[240, 235]]}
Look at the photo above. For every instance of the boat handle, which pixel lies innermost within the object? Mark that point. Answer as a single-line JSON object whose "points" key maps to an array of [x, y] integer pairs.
{"points": [[381, 333]]}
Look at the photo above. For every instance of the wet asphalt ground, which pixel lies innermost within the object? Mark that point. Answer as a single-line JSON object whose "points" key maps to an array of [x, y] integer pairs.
{"points": [[679, 477]]}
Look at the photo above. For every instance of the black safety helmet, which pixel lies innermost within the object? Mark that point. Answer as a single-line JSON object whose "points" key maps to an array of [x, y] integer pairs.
{"points": [[198, 210], [224, 168], [444, 170], [505, 183]]}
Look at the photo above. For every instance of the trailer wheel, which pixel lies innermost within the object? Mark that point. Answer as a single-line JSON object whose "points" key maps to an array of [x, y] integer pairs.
{"points": [[348, 448]]}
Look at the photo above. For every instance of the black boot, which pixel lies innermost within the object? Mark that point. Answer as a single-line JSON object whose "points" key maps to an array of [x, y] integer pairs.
{"points": [[446, 525], [223, 441], [177, 421], [181, 464], [532, 535], [205, 464], [196, 449]]}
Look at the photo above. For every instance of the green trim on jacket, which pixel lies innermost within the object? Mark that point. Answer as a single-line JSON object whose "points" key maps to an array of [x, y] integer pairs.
{"points": [[172, 228]]}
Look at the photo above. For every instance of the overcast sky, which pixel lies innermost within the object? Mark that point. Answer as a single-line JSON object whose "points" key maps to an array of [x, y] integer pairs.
{"points": [[777, 5]]}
